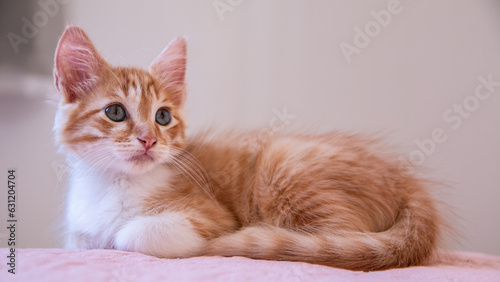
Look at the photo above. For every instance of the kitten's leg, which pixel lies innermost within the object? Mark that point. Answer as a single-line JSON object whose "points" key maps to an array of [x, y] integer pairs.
{"points": [[165, 235]]}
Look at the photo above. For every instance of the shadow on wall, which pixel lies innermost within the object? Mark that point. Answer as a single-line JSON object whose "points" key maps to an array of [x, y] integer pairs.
{"points": [[30, 31]]}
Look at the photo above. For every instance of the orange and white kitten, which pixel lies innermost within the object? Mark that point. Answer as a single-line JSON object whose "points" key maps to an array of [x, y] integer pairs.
{"points": [[139, 184]]}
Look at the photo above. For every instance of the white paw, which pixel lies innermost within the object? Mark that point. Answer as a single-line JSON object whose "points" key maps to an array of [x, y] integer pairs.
{"points": [[167, 235]]}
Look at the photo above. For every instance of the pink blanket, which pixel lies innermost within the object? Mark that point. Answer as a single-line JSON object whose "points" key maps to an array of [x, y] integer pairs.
{"points": [[110, 265]]}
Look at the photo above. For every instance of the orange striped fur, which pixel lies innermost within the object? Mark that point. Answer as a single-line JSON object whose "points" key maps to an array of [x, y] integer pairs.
{"points": [[136, 185]]}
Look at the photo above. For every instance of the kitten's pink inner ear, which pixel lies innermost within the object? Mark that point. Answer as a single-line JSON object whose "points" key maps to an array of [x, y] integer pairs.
{"points": [[170, 69], [77, 64]]}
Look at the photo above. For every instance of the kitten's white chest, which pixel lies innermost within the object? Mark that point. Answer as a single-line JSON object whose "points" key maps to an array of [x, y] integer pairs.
{"points": [[96, 209], [99, 206]]}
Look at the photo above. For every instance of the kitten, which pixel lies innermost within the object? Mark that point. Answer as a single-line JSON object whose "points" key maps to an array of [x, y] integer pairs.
{"points": [[139, 184]]}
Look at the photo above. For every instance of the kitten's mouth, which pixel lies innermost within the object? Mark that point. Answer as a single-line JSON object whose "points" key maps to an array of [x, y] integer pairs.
{"points": [[144, 157]]}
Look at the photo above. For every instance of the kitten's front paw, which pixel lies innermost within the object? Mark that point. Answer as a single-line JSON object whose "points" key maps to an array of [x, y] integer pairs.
{"points": [[167, 235]]}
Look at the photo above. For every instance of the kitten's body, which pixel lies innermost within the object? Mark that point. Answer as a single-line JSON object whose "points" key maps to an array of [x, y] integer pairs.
{"points": [[141, 186]]}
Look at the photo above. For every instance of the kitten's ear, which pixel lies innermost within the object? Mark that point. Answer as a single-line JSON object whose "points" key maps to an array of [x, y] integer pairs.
{"points": [[77, 64], [170, 69]]}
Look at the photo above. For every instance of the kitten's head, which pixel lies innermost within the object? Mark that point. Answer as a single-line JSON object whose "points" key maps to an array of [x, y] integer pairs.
{"points": [[118, 118]]}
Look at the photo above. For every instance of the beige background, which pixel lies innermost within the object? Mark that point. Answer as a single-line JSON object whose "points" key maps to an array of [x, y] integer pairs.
{"points": [[264, 56]]}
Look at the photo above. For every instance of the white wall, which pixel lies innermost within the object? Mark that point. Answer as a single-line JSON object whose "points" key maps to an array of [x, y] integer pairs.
{"points": [[267, 55]]}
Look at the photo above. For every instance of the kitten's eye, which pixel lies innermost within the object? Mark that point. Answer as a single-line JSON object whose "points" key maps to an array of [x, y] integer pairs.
{"points": [[116, 113], [163, 116]]}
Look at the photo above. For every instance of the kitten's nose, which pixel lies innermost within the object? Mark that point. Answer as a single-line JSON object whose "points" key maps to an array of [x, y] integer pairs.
{"points": [[147, 141]]}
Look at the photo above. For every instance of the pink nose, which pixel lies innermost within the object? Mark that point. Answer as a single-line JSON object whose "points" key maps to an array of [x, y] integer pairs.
{"points": [[147, 141]]}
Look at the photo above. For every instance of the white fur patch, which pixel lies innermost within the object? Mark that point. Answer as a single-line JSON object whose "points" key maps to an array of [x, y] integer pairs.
{"points": [[100, 202], [168, 235]]}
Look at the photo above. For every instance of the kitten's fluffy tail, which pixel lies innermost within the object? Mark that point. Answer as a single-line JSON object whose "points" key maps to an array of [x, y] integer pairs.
{"points": [[411, 240]]}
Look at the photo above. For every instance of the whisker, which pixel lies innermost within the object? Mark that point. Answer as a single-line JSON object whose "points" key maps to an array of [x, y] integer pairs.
{"points": [[195, 170], [80, 162]]}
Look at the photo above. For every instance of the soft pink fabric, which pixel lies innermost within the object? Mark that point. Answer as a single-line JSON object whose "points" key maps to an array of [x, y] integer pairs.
{"points": [[110, 265]]}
